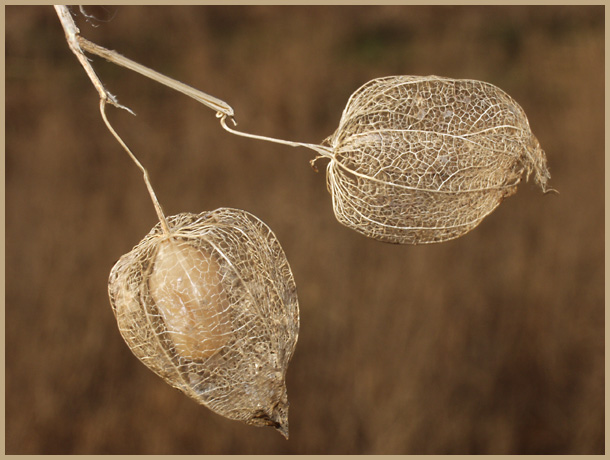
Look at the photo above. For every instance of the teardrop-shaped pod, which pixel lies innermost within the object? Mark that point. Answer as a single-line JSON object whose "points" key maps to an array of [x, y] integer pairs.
{"points": [[425, 159], [212, 308]]}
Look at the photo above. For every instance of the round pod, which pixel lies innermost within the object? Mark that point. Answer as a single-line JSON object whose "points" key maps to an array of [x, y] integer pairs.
{"points": [[425, 159], [212, 308]]}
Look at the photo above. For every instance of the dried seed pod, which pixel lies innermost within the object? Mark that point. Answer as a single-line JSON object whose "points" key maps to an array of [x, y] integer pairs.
{"points": [[212, 308], [425, 159]]}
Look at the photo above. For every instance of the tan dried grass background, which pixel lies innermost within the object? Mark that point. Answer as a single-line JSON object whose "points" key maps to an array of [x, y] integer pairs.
{"points": [[491, 343]]}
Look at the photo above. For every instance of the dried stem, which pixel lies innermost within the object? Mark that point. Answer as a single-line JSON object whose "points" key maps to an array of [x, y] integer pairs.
{"points": [[116, 58], [72, 38], [322, 150], [223, 110], [151, 192]]}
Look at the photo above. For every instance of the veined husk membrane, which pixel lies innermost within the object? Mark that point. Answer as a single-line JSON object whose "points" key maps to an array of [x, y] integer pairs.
{"points": [[212, 309], [425, 159]]}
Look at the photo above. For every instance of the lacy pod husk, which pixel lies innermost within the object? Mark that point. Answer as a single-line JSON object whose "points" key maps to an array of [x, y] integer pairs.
{"points": [[425, 159], [212, 309]]}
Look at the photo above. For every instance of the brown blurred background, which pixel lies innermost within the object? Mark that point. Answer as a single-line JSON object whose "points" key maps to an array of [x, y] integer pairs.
{"points": [[491, 343]]}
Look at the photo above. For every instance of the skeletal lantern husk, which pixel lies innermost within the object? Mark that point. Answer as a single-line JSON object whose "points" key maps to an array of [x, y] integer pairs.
{"points": [[425, 159], [212, 309]]}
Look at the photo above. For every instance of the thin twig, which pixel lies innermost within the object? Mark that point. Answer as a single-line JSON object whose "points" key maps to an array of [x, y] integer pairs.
{"points": [[116, 58], [223, 110], [72, 37], [322, 150], [151, 192]]}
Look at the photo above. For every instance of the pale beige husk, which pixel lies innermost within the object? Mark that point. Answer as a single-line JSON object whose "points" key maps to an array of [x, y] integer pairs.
{"points": [[425, 159], [243, 378]]}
